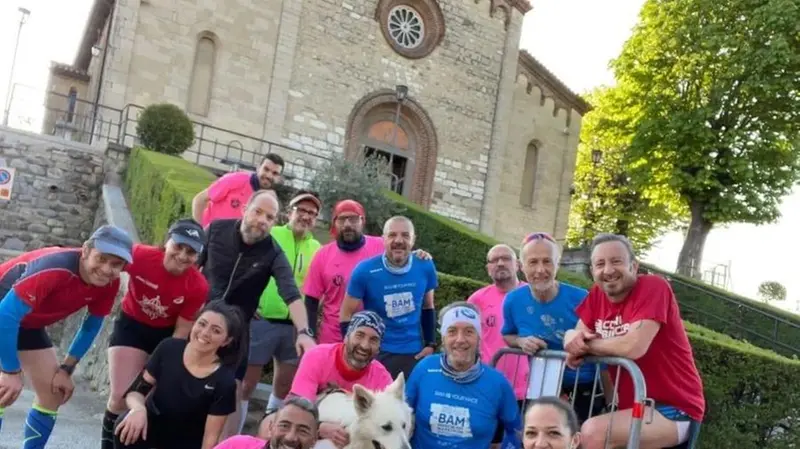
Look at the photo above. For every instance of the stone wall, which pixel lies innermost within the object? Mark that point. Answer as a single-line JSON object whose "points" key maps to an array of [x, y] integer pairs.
{"points": [[535, 117], [342, 58], [56, 189]]}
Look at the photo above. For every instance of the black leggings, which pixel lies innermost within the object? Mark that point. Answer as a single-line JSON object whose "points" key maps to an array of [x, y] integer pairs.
{"points": [[158, 436]]}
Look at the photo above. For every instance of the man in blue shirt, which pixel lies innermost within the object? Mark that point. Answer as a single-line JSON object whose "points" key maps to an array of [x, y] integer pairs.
{"points": [[536, 316], [399, 287], [463, 401]]}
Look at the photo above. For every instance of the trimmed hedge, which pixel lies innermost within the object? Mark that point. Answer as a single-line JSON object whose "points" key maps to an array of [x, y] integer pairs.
{"points": [[159, 189], [734, 315]]}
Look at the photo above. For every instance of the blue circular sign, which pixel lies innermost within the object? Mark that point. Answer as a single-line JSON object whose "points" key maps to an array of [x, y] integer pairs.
{"points": [[5, 176]]}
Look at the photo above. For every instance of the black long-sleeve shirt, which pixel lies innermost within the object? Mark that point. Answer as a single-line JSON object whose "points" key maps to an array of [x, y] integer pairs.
{"points": [[238, 273]]}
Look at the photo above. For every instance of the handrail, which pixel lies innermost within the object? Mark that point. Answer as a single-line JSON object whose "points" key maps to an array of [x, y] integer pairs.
{"points": [[639, 384], [673, 278]]}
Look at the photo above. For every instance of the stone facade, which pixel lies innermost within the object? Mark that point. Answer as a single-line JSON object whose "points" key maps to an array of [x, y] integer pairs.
{"points": [[56, 189], [313, 79]]}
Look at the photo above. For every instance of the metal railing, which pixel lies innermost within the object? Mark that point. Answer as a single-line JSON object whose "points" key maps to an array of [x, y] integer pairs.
{"points": [[541, 382], [790, 345], [217, 149]]}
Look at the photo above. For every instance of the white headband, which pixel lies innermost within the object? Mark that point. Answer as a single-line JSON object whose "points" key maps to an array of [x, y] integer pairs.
{"points": [[460, 314]]}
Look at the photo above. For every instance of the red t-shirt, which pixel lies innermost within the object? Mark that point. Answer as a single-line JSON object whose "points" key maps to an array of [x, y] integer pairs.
{"points": [[668, 365], [48, 280], [155, 296]]}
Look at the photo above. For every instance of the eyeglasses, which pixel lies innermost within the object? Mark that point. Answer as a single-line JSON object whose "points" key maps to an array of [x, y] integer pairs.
{"points": [[500, 258], [302, 210], [537, 236]]}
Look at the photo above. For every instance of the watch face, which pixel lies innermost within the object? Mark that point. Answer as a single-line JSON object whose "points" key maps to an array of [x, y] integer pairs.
{"points": [[307, 332]]}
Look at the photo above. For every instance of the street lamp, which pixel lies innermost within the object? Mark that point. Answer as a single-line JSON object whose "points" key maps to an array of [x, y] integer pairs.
{"points": [[22, 20], [401, 93]]}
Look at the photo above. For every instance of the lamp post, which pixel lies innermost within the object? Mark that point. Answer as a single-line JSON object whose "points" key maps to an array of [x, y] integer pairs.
{"points": [[22, 20], [401, 93], [597, 157]]}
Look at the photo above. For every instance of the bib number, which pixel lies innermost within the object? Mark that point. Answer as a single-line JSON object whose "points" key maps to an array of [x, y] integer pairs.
{"points": [[399, 304], [450, 421]]}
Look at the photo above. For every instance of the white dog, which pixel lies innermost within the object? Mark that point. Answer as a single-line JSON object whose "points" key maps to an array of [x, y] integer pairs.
{"points": [[374, 420]]}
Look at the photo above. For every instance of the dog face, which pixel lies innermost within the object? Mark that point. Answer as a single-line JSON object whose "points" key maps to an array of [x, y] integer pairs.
{"points": [[384, 418]]}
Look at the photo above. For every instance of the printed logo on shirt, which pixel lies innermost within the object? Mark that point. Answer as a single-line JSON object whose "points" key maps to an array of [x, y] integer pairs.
{"points": [[450, 421], [146, 282], [235, 203], [209, 387], [611, 328], [178, 300], [399, 304], [338, 280], [491, 321], [153, 308], [88, 299]]}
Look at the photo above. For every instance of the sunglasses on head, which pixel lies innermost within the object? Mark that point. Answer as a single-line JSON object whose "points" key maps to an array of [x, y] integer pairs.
{"points": [[538, 236]]}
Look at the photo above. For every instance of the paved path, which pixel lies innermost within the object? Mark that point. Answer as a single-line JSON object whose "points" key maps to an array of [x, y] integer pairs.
{"points": [[78, 425]]}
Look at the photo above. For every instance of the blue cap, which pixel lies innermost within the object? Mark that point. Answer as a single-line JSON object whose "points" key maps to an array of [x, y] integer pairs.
{"points": [[112, 240]]}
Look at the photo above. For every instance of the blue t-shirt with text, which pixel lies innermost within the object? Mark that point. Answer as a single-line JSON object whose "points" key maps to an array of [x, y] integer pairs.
{"points": [[397, 298], [461, 415], [524, 316]]}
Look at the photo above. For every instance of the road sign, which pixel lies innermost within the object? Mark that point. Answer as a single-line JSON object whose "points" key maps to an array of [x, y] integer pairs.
{"points": [[6, 182]]}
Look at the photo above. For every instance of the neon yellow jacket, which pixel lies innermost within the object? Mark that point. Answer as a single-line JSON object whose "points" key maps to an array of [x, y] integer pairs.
{"points": [[299, 253]]}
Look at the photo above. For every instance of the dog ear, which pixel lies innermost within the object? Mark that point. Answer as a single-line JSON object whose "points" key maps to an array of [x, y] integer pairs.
{"points": [[362, 398], [398, 387]]}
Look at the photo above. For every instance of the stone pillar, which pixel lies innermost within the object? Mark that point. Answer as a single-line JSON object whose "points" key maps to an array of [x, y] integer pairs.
{"points": [[285, 47], [116, 163], [502, 119]]}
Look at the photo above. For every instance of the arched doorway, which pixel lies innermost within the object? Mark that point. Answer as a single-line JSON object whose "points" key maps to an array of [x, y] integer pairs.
{"points": [[409, 149]]}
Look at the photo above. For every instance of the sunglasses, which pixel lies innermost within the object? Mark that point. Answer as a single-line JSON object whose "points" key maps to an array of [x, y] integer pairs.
{"points": [[537, 236]]}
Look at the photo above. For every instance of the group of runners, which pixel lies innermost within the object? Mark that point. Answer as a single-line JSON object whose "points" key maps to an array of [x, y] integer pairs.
{"points": [[230, 291]]}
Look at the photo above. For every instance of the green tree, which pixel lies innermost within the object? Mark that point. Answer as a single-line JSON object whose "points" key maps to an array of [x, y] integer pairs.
{"points": [[606, 198], [165, 128], [363, 180], [716, 87], [771, 291]]}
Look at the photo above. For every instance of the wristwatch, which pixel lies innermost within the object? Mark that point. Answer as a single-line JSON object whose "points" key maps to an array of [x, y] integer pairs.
{"points": [[69, 369], [307, 332]]}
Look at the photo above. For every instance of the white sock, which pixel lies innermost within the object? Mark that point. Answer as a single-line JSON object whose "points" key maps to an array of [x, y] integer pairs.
{"points": [[243, 404], [274, 402]]}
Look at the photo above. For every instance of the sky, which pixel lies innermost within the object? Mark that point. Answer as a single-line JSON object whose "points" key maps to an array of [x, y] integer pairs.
{"points": [[575, 39]]}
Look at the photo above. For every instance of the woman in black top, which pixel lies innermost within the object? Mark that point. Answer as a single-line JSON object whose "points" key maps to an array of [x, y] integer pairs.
{"points": [[183, 396]]}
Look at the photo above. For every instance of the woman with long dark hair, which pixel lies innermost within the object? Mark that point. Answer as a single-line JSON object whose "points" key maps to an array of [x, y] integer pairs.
{"points": [[188, 388], [165, 292]]}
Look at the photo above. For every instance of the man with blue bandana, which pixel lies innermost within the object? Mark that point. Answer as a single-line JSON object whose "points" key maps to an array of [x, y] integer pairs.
{"points": [[464, 400], [399, 287]]}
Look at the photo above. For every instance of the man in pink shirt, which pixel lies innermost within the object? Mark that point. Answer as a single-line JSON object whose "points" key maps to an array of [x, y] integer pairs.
{"points": [[341, 365], [332, 265], [227, 196]]}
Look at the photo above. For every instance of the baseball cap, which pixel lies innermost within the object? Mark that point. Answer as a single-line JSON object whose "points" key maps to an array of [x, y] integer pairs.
{"points": [[305, 197], [188, 232], [112, 240]]}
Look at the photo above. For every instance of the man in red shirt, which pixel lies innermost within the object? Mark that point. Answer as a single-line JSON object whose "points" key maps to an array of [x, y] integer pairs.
{"points": [[43, 287], [637, 317]]}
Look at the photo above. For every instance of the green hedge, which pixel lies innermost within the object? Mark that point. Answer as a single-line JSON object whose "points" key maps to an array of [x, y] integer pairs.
{"points": [[159, 189], [734, 315]]}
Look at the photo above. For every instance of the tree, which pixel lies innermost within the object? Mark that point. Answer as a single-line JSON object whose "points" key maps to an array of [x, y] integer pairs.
{"points": [[165, 128], [716, 86], [363, 180], [606, 199], [772, 291]]}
